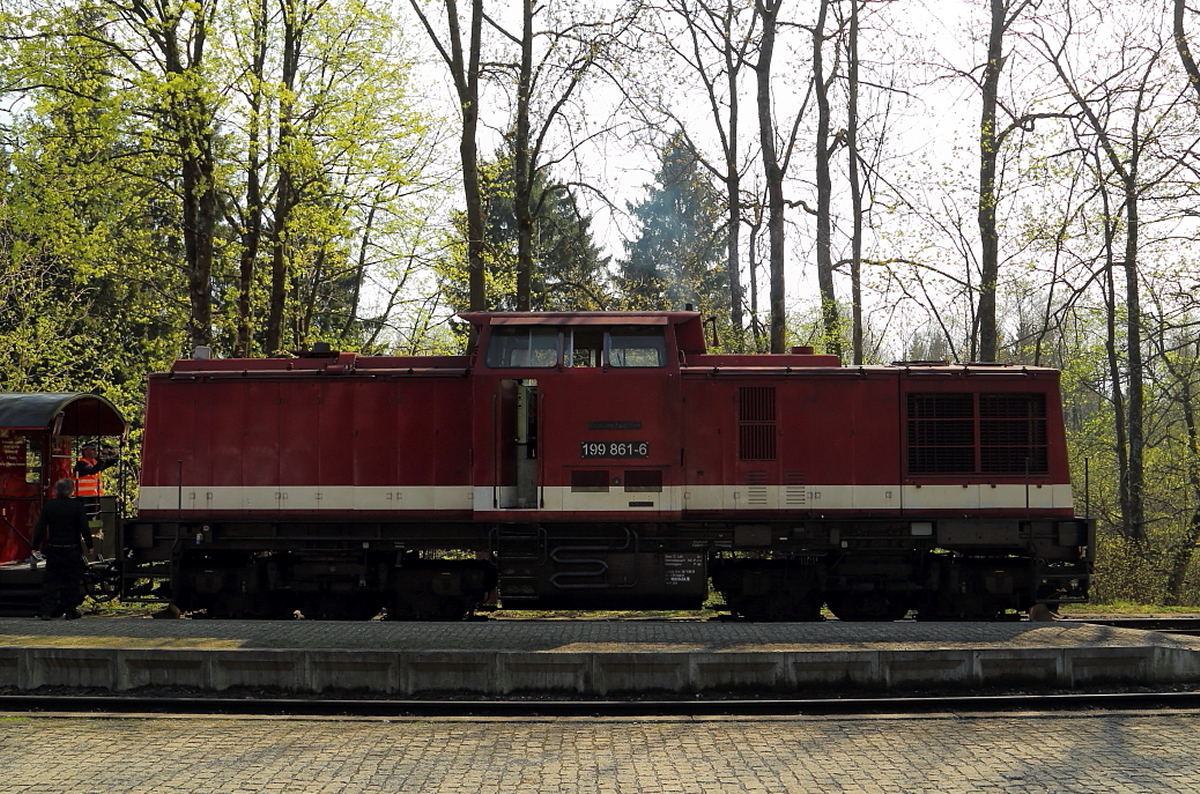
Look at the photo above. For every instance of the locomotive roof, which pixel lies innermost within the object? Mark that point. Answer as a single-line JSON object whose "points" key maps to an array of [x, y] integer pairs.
{"points": [[64, 414], [580, 318], [689, 333]]}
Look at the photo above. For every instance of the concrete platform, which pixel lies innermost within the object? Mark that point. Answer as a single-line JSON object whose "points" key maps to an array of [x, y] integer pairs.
{"points": [[585, 658]]}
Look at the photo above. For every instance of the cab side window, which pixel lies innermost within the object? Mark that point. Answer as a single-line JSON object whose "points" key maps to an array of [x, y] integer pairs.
{"points": [[637, 347], [523, 347]]}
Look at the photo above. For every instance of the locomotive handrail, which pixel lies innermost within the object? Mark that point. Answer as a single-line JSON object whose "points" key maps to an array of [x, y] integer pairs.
{"points": [[707, 370], [17, 532]]}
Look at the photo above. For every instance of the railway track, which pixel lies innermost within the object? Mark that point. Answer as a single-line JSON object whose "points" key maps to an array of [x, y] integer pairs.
{"points": [[71, 704]]}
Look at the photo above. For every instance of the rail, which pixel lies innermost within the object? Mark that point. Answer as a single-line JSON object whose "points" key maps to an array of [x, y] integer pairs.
{"points": [[76, 703]]}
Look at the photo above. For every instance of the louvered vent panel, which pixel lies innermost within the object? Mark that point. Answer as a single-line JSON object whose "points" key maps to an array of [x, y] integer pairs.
{"points": [[756, 489], [795, 493], [756, 442], [756, 404], [756, 423]]}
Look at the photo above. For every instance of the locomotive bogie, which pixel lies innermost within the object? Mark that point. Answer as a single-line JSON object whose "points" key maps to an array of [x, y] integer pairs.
{"points": [[603, 460]]}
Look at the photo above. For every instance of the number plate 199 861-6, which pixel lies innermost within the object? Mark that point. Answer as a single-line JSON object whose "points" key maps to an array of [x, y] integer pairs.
{"points": [[614, 449]]}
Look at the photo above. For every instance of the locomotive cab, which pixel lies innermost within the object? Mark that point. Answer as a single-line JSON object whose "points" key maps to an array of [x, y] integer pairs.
{"points": [[578, 465]]}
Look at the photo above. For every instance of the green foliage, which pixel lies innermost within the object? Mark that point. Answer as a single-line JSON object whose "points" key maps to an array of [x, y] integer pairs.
{"points": [[98, 244], [85, 247]]}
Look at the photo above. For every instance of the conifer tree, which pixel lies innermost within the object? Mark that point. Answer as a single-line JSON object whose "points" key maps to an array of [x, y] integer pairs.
{"points": [[678, 257]]}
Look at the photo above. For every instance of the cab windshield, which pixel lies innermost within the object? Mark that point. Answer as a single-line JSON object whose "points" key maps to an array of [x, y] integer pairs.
{"points": [[622, 347]]}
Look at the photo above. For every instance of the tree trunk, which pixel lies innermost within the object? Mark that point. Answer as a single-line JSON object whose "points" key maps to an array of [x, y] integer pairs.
{"points": [[191, 119], [856, 190], [768, 11], [286, 193], [988, 157], [1135, 520], [199, 225], [252, 222], [468, 81], [464, 69], [523, 167], [733, 186], [1185, 52], [830, 324]]}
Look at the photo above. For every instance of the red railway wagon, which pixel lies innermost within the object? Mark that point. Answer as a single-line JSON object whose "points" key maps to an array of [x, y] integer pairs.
{"points": [[39, 439], [603, 460]]}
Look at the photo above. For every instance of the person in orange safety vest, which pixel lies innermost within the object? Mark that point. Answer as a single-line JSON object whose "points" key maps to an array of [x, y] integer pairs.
{"points": [[88, 468]]}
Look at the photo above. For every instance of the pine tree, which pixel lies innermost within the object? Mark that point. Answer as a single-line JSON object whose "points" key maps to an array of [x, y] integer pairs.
{"points": [[678, 258]]}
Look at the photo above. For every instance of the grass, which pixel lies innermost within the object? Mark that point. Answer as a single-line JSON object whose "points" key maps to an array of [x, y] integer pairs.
{"points": [[117, 609], [612, 614], [1126, 608]]}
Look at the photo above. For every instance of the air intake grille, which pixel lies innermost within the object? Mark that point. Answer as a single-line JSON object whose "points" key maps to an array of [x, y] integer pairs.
{"points": [[756, 423], [977, 434], [756, 404], [1012, 433]]}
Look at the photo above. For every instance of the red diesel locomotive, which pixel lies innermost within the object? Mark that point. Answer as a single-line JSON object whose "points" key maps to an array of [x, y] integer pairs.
{"points": [[600, 461]]}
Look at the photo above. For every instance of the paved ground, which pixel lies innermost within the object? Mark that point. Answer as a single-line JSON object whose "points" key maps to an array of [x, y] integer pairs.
{"points": [[584, 636], [1116, 754]]}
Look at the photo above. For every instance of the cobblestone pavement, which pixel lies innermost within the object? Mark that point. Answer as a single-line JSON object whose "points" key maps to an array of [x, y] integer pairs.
{"points": [[1086, 753]]}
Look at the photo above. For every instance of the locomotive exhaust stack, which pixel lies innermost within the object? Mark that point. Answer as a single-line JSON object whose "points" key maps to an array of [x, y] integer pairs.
{"points": [[604, 460]]}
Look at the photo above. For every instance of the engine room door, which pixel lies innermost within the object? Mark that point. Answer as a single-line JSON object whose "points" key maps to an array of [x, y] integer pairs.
{"points": [[518, 487]]}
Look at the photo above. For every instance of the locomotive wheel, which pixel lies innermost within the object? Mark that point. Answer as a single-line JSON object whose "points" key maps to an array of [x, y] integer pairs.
{"points": [[867, 606]]}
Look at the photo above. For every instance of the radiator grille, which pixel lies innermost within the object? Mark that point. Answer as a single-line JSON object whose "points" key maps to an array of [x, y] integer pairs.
{"points": [[977, 434]]}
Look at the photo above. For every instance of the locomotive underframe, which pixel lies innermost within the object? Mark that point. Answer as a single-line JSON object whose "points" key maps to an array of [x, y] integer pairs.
{"points": [[943, 569]]}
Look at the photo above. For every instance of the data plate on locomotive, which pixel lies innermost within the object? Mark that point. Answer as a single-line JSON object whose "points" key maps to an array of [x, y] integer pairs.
{"points": [[614, 449]]}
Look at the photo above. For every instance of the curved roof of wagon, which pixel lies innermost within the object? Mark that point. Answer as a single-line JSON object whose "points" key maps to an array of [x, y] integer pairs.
{"points": [[61, 414]]}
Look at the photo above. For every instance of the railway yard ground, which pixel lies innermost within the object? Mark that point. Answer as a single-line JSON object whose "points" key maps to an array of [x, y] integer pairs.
{"points": [[86, 749]]}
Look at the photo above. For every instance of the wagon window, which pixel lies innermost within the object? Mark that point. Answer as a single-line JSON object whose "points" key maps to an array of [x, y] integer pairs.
{"points": [[33, 464], [523, 347], [637, 346]]}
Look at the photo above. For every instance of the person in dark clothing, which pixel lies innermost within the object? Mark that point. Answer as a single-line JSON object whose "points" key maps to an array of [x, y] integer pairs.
{"points": [[62, 522]]}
